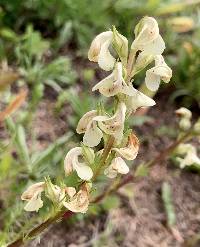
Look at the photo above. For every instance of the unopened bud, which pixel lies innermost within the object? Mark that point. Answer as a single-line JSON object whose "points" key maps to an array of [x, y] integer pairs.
{"points": [[120, 44], [185, 124], [53, 192]]}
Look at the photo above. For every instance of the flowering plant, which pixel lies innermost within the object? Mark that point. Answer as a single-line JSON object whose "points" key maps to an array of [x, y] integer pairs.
{"points": [[108, 142]]}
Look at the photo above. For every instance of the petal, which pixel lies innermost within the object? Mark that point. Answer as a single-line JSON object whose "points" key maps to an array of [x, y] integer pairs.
{"points": [[138, 100], [112, 84], [83, 171], [92, 136], [33, 190], [156, 47], [152, 80], [79, 204], [68, 162], [130, 152], [105, 60], [146, 31], [71, 191], [34, 204], [184, 112], [85, 120], [119, 165], [96, 44]]}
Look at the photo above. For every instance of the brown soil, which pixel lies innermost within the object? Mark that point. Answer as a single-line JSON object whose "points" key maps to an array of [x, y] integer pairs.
{"points": [[140, 221]]}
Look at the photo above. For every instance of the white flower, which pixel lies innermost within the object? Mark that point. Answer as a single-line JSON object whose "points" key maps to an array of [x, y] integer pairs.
{"points": [[148, 39], [33, 196], [112, 84], [160, 72], [110, 125], [99, 51], [78, 202], [72, 163], [137, 100], [87, 125], [131, 150], [117, 165], [115, 124], [190, 157], [184, 148], [185, 118], [184, 112]]}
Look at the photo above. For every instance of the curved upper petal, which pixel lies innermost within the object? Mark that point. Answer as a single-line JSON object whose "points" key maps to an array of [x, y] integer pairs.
{"points": [[105, 60], [85, 120], [99, 50], [68, 162]]}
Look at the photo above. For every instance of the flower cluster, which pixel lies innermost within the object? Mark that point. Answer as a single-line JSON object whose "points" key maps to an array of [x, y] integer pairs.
{"points": [[111, 51], [186, 153]]}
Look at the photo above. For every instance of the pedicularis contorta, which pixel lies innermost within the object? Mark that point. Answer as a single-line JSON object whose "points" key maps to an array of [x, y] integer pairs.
{"points": [[88, 161]]}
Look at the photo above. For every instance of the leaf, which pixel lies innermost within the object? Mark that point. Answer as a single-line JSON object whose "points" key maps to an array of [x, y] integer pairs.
{"points": [[142, 171], [22, 145], [168, 204], [14, 105], [111, 202], [5, 164]]}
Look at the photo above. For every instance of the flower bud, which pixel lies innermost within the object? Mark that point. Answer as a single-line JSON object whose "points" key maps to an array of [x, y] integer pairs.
{"points": [[185, 124], [120, 44], [53, 192], [88, 154], [184, 112]]}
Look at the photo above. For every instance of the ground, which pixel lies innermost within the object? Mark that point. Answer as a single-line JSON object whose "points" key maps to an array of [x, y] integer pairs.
{"points": [[140, 220]]}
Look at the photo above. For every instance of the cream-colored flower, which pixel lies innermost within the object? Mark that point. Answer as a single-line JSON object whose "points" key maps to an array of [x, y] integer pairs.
{"points": [[185, 118], [190, 155], [117, 166], [79, 202], [113, 125], [185, 148], [110, 125], [148, 39], [131, 150], [87, 125], [190, 159], [33, 196], [160, 72], [99, 51], [112, 84], [138, 100], [184, 112], [72, 163]]}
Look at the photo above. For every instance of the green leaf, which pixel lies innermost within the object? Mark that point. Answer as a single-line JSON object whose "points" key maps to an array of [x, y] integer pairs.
{"points": [[142, 171], [168, 204], [5, 164], [22, 145], [111, 202]]}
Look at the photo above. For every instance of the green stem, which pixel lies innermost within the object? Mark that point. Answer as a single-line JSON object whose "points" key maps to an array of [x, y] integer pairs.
{"points": [[105, 154]]}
